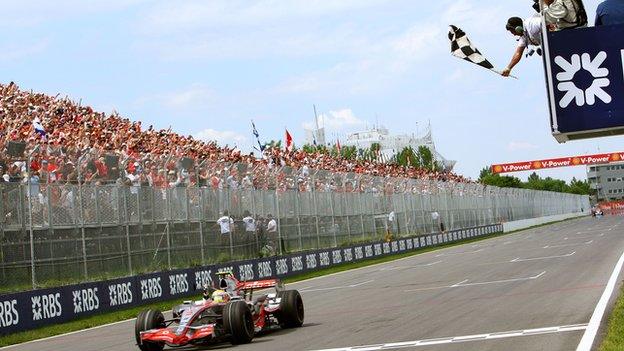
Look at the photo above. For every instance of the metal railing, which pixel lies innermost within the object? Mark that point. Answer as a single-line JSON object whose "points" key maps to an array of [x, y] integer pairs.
{"points": [[71, 226]]}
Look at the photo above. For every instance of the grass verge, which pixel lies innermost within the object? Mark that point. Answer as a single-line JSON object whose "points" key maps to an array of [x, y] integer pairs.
{"points": [[111, 317], [614, 339]]}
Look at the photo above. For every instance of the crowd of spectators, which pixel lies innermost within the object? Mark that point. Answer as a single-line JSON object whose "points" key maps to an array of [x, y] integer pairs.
{"points": [[70, 143]]}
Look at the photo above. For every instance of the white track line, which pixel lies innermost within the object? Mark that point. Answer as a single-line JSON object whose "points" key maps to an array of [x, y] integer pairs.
{"points": [[463, 338], [594, 323], [458, 253], [338, 287], [566, 245], [540, 258], [413, 266], [464, 283]]}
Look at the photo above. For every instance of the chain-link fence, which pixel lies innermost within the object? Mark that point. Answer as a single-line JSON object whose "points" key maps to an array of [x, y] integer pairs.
{"points": [[60, 227]]}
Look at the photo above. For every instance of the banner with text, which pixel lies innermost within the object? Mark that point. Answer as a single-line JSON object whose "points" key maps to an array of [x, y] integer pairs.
{"points": [[558, 162]]}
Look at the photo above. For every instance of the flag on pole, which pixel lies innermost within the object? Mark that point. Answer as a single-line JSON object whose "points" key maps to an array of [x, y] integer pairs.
{"points": [[289, 141], [257, 135], [462, 48], [338, 145]]}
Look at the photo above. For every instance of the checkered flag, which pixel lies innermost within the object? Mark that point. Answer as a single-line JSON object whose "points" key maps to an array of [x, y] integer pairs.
{"points": [[462, 48]]}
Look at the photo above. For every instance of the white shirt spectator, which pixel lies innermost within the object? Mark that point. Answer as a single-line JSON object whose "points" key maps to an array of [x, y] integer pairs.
{"points": [[435, 215], [250, 224], [391, 216], [272, 226], [532, 32], [225, 223]]}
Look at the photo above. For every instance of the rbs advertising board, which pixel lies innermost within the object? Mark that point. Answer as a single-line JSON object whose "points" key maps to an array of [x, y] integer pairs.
{"points": [[585, 78]]}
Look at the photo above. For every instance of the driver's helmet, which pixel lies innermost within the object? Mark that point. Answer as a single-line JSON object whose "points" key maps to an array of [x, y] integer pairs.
{"points": [[220, 296], [207, 291]]}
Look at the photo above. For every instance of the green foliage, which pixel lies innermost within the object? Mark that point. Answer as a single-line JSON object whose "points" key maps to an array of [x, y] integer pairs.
{"points": [[535, 182]]}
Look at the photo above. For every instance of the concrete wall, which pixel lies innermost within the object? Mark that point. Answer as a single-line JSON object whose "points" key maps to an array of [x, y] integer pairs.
{"points": [[527, 223]]}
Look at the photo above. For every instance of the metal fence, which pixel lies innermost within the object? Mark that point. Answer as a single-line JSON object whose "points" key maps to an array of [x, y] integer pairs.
{"points": [[80, 226], [79, 232]]}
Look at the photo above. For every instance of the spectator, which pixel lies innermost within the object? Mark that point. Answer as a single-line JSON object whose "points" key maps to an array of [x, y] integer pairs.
{"points": [[226, 224], [610, 12], [529, 32], [250, 238], [271, 240], [565, 14]]}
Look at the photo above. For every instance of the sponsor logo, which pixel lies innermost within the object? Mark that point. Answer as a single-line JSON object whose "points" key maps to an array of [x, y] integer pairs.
{"points": [[336, 256], [281, 266], [570, 70], [395, 246], [378, 249], [311, 261], [151, 288], [120, 294], [296, 263], [203, 277], [324, 259], [386, 248], [85, 300], [8, 313], [368, 249], [178, 284], [348, 255], [410, 244], [245, 272], [46, 306], [359, 253], [429, 241], [264, 269]]}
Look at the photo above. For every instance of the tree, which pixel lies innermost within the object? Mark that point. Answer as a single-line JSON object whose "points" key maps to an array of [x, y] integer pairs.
{"points": [[425, 158], [535, 182]]}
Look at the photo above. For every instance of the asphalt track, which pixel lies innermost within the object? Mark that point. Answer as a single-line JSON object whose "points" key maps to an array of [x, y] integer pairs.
{"points": [[532, 290]]}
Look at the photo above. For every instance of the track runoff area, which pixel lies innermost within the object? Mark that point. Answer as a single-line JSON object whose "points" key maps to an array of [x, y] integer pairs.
{"points": [[545, 288]]}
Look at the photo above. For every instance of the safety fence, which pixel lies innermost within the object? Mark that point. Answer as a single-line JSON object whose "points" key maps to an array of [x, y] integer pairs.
{"points": [[36, 308], [63, 233]]}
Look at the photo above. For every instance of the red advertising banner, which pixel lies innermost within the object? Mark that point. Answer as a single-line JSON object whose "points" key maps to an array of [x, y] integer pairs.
{"points": [[558, 162]]}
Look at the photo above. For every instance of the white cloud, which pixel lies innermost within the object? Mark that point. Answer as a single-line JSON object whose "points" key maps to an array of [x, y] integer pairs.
{"points": [[194, 97], [15, 52], [222, 137], [520, 146], [338, 120]]}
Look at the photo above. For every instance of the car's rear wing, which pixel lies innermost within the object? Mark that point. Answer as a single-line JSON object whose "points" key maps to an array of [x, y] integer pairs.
{"points": [[260, 284]]}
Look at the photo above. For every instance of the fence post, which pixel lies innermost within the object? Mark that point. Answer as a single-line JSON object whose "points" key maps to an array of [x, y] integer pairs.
{"points": [[127, 225], [343, 195], [407, 219], [316, 217], [298, 207], [361, 213], [333, 229], [279, 221], [30, 228], [200, 218], [82, 229], [168, 218]]}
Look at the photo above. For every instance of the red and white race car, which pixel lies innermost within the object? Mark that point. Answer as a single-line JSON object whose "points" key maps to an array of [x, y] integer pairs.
{"points": [[229, 312]]}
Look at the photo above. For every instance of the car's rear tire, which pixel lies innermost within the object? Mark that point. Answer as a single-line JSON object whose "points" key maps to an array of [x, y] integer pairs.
{"points": [[291, 312], [238, 322], [147, 320]]}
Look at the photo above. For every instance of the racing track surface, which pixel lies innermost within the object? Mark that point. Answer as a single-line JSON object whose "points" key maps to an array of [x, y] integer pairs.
{"points": [[532, 290]]}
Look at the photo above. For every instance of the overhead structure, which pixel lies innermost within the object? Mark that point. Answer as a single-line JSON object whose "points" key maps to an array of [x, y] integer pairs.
{"points": [[585, 81], [572, 161]]}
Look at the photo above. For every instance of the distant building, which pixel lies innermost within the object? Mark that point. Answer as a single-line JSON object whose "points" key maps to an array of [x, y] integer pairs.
{"points": [[393, 144], [607, 180]]}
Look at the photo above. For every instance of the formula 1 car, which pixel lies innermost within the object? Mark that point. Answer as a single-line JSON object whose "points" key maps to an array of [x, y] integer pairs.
{"points": [[229, 312]]}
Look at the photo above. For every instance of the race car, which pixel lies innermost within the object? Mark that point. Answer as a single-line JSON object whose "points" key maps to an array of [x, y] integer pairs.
{"points": [[227, 312]]}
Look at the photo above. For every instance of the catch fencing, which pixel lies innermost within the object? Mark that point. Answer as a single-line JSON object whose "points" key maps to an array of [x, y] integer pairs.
{"points": [[60, 228]]}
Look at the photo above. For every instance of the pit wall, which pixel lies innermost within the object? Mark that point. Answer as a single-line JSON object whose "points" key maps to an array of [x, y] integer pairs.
{"points": [[532, 222]]}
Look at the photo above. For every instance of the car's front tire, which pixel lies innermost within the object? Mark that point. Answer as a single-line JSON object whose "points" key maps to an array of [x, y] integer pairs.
{"points": [[291, 311], [147, 320], [238, 322]]}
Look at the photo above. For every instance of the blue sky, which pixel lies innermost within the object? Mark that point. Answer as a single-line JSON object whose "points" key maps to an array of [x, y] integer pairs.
{"points": [[207, 67]]}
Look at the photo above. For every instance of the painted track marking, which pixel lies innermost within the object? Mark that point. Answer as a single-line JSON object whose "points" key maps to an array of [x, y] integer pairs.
{"points": [[458, 253], [541, 258], [464, 283], [463, 338], [412, 266], [566, 245], [338, 287], [594, 323]]}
